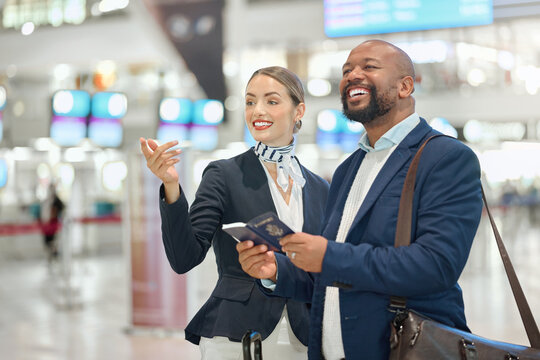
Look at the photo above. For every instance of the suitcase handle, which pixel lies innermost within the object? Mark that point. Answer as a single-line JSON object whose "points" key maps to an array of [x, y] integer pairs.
{"points": [[252, 337]]}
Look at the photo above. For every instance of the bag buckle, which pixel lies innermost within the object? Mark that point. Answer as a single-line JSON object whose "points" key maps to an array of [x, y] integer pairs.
{"points": [[401, 315], [395, 334], [468, 350], [397, 325]]}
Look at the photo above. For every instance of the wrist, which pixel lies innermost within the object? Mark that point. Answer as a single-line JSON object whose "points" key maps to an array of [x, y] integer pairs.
{"points": [[170, 184], [172, 192]]}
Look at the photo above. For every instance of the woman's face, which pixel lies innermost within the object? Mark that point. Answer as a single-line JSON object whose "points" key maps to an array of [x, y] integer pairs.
{"points": [[270, 112]]}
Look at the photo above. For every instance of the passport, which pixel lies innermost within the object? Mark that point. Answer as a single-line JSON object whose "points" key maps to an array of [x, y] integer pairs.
{"points": [[265, 229]]}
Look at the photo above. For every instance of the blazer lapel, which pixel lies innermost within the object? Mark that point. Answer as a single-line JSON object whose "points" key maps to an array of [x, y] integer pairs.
{"points": [[333, 218], [308, 193], [398, 158], [255, 178], [401, 155]]}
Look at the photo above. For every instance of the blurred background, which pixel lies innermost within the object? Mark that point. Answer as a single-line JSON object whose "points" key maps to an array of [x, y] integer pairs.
{"points": [[82, 80]]}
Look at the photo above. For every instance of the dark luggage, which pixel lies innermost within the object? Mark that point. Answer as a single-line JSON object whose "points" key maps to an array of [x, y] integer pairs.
{"points": [[248, 338]]}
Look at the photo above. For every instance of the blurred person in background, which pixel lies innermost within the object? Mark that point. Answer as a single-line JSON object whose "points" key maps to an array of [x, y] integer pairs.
{"points": [[351, 272], [51, 210], [267, 177]]}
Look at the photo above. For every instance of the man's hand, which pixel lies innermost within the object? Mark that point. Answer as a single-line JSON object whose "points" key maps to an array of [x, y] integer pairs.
{"points": [[257, 261], [305, 251]]}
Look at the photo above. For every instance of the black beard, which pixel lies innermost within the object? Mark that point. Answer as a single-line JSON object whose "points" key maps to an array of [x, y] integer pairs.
{"points": [[377, 107]]}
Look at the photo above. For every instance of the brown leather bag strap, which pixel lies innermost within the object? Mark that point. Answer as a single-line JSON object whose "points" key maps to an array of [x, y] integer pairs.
{"points": [[403, 227], [404, 220], [524, 310], [403, 238]]}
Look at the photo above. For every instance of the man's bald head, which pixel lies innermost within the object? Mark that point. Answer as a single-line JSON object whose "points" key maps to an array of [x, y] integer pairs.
{"points": [[403, 62]]}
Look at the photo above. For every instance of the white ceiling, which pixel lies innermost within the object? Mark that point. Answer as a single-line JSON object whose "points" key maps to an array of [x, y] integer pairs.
{"points": [[131, 37]]}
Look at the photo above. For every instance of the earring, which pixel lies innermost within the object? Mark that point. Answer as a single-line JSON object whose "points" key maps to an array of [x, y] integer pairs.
{"points": [[298, 124]]}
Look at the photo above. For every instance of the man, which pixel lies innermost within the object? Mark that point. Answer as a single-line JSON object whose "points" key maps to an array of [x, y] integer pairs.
{"points": [[352, 270]]}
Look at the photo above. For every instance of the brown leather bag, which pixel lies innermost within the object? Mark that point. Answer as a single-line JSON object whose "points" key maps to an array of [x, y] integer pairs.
{"points": [[416, 337]]}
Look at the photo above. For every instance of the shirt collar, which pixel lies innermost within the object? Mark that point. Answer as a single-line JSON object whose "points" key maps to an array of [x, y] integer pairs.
{"points": [[393, 136]]}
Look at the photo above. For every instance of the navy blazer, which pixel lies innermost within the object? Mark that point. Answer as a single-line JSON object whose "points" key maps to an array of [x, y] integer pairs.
{"points": [[234, 190], [368, 269]]}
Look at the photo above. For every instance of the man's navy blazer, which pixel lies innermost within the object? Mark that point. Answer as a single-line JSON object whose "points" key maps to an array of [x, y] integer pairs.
{"points": [[368, 269], [234, 190]]}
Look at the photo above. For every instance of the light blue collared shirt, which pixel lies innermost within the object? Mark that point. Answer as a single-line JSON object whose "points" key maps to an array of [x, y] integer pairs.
{"points": [[393, 136]]}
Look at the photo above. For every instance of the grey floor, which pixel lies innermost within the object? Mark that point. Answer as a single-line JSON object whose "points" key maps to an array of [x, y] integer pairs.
{"points": [[37, 323]]}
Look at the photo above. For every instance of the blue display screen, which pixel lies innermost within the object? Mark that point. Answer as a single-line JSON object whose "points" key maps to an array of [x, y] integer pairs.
{"points": [[248, 138], [109, 105], [168, 132], [175, 110], [3, 97], [3, 173], [71, 103], [204, 137], [68, 131], [105, 132], [363, 17], [207, 112]]}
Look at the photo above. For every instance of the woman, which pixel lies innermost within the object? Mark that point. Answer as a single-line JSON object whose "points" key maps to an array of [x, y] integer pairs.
{"points": [[265, 178]]}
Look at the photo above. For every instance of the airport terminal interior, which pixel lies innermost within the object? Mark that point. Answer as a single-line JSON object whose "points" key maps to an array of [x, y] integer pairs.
{"points": [[82, 80]]}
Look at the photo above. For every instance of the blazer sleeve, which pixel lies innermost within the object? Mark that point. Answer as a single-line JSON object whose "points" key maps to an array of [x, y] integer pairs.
{"points": [[187, 235], [449, 206], [292, 282]]}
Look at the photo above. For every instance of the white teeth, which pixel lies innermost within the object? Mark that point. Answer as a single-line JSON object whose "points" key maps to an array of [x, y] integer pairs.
{"points": [[262, 123], [355, 92]]}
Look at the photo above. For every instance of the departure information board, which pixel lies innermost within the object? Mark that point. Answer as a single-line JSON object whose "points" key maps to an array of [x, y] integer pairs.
{"points": [[365, 17]]}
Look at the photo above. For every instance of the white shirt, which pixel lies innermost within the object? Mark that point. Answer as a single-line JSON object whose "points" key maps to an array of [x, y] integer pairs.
{"points": [[293, 213]]}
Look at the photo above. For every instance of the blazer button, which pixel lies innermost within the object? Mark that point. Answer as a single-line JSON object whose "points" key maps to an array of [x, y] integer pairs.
{"points": [[341, 285]]}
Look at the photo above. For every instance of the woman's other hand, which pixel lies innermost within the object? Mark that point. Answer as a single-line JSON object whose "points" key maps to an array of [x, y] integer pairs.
{"points": [[160, 159]]}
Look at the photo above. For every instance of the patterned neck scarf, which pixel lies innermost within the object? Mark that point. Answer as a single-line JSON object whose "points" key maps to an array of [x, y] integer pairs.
{"points": [[283, 158]]}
